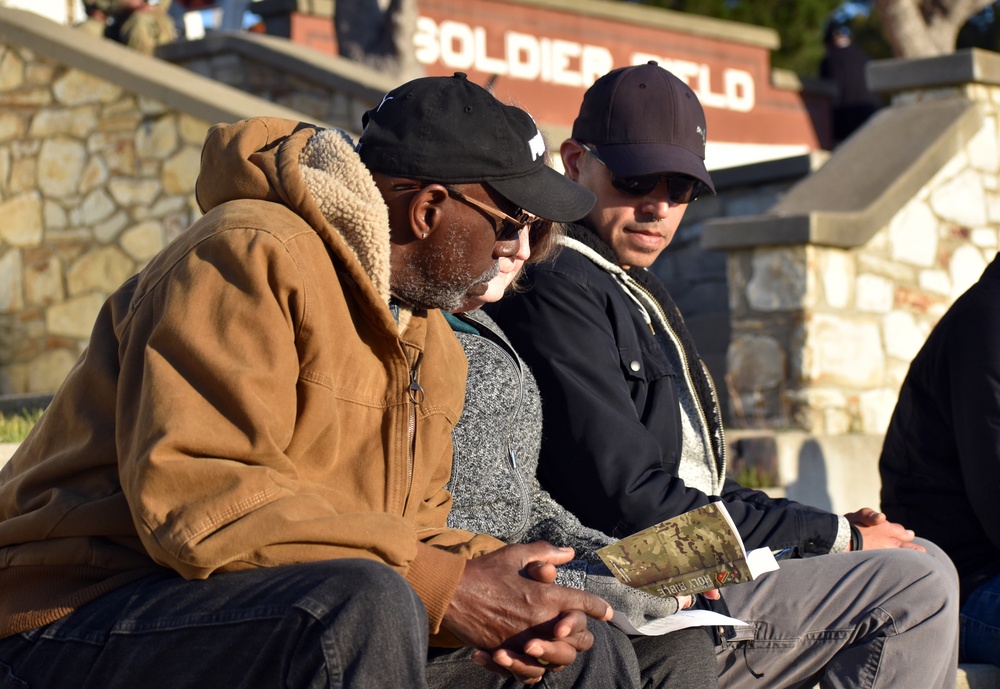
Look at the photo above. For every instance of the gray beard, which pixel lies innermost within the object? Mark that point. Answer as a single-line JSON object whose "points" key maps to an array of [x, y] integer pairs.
{"points": [[436, 291]]}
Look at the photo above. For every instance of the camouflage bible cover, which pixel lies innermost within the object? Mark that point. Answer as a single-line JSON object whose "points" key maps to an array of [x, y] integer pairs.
{"points": [[694, 552]]}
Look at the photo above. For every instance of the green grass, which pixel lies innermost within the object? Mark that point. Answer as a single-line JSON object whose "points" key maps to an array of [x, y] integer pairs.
{"points": [[13, 428]]}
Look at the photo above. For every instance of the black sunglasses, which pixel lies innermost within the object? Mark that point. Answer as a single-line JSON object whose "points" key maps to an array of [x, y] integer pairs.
{"points": [[509, 227], [680, 188]]}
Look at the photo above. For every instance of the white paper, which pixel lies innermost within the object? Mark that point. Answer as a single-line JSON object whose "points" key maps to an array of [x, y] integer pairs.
{"points": [[682, 619], [761, 560]]}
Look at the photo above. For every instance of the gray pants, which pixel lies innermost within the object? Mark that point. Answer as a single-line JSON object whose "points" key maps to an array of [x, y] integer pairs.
{"points": [[874, 619]]}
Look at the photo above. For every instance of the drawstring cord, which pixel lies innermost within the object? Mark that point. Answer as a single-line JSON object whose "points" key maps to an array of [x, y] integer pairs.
{"points": [[756, 675]]}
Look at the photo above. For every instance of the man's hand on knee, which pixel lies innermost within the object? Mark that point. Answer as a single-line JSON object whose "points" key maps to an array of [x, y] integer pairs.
{"points": [[878, 532]]}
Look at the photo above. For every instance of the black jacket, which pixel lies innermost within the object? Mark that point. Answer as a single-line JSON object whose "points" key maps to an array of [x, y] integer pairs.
{"points": [[940, 462], [612, 435]]}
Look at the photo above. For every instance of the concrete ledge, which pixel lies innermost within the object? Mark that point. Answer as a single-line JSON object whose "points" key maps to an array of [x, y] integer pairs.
{"points": [[955, 69], [870, 177], [836, 473], [146, 76], [769, 171], [16, 404], [339, 74], [978, 676]]}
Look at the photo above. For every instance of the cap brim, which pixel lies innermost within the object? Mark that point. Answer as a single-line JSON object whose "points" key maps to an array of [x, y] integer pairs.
{"points": [[632, 160], [548, 194]]}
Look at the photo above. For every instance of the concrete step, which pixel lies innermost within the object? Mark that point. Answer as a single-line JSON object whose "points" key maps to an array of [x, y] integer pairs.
{"points": [[978, 676]]}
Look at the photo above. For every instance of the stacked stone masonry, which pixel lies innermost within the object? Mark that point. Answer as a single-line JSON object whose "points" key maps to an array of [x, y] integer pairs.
{"points": [[93, 182], [822, 337]]}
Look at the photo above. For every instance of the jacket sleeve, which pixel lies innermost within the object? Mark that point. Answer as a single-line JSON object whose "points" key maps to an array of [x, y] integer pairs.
{"points": [[599, 459]]}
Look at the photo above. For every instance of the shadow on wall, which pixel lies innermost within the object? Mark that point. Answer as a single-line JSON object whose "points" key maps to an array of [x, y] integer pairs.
{"points": [[812, 487], [834, 473]]}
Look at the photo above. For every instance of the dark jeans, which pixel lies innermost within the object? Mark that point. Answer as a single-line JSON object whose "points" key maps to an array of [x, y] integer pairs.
{"points": [[680, 660], [342, 623], [339, 623], [980, 620]]}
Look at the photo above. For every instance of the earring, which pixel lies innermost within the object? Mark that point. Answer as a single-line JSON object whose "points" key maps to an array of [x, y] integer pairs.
{"points": [[423, 235]]}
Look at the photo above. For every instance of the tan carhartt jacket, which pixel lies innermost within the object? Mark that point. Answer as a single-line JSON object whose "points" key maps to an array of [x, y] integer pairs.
{"points": [[245, 401]]}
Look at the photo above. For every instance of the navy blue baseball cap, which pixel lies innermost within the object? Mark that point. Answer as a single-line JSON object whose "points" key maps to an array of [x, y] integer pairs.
{"points": [[643, 120]]}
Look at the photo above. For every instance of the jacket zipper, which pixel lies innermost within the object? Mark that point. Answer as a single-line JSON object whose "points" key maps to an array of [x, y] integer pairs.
{"points": [[416, 395], [721, 450], [626, 281], [511, 452]]}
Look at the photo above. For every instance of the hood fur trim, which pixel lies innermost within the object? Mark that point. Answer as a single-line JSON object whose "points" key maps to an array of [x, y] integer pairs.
{"points": [[345, 193]]}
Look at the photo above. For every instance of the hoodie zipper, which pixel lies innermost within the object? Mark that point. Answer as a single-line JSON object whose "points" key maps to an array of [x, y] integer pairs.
{"points": [[511, 452], [508, 352]]}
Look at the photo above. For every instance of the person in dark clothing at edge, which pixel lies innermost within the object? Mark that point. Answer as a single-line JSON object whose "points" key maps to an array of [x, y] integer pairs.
{"points": [[633, 433], [241, 483], [940, 462], [844, 64]]}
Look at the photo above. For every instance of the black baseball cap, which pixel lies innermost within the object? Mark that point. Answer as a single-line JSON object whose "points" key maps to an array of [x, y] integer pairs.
{"points": [[643, 120], [450, 130]]}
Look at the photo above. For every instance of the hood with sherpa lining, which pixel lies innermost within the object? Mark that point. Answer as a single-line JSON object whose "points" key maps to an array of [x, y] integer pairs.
{"points": [[316, 173]]}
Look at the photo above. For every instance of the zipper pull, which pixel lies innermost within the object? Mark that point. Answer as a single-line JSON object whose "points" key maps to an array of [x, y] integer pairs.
{"points": [[416, 392]]}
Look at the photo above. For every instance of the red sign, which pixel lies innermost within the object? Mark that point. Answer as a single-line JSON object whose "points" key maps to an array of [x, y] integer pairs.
{"points": [[544, 58]]}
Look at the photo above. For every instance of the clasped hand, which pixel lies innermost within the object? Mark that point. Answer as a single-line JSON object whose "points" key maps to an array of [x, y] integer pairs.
{"points": [[878, 532], [508, 607]]}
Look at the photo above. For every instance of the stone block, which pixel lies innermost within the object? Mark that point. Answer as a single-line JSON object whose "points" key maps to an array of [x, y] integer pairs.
{"points": [[838, 473], [843, 351], [157, 138], [102, 268], [74, 317], [60, 166], [77, 87], [22, 220], [11, 292], [6, 452], [961, 200], [778, 281], [12, 73], [913, 236]]}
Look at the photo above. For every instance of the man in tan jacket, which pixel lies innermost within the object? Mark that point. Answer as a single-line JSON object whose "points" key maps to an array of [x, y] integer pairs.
{"points": [[241, 483]]}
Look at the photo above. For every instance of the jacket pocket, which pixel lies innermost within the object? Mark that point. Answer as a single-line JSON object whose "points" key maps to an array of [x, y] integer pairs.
{"points": [[644, 363], [652, 382]]}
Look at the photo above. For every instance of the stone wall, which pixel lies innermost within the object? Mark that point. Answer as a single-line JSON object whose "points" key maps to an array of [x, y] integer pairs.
{"points": [[99, 152], [93, 182], [822, 337], [833, 291], [698, 278]]}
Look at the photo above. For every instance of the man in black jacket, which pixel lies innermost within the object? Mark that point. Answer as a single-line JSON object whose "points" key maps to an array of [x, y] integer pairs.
{"points": [[940, 461], [632, 433]]}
